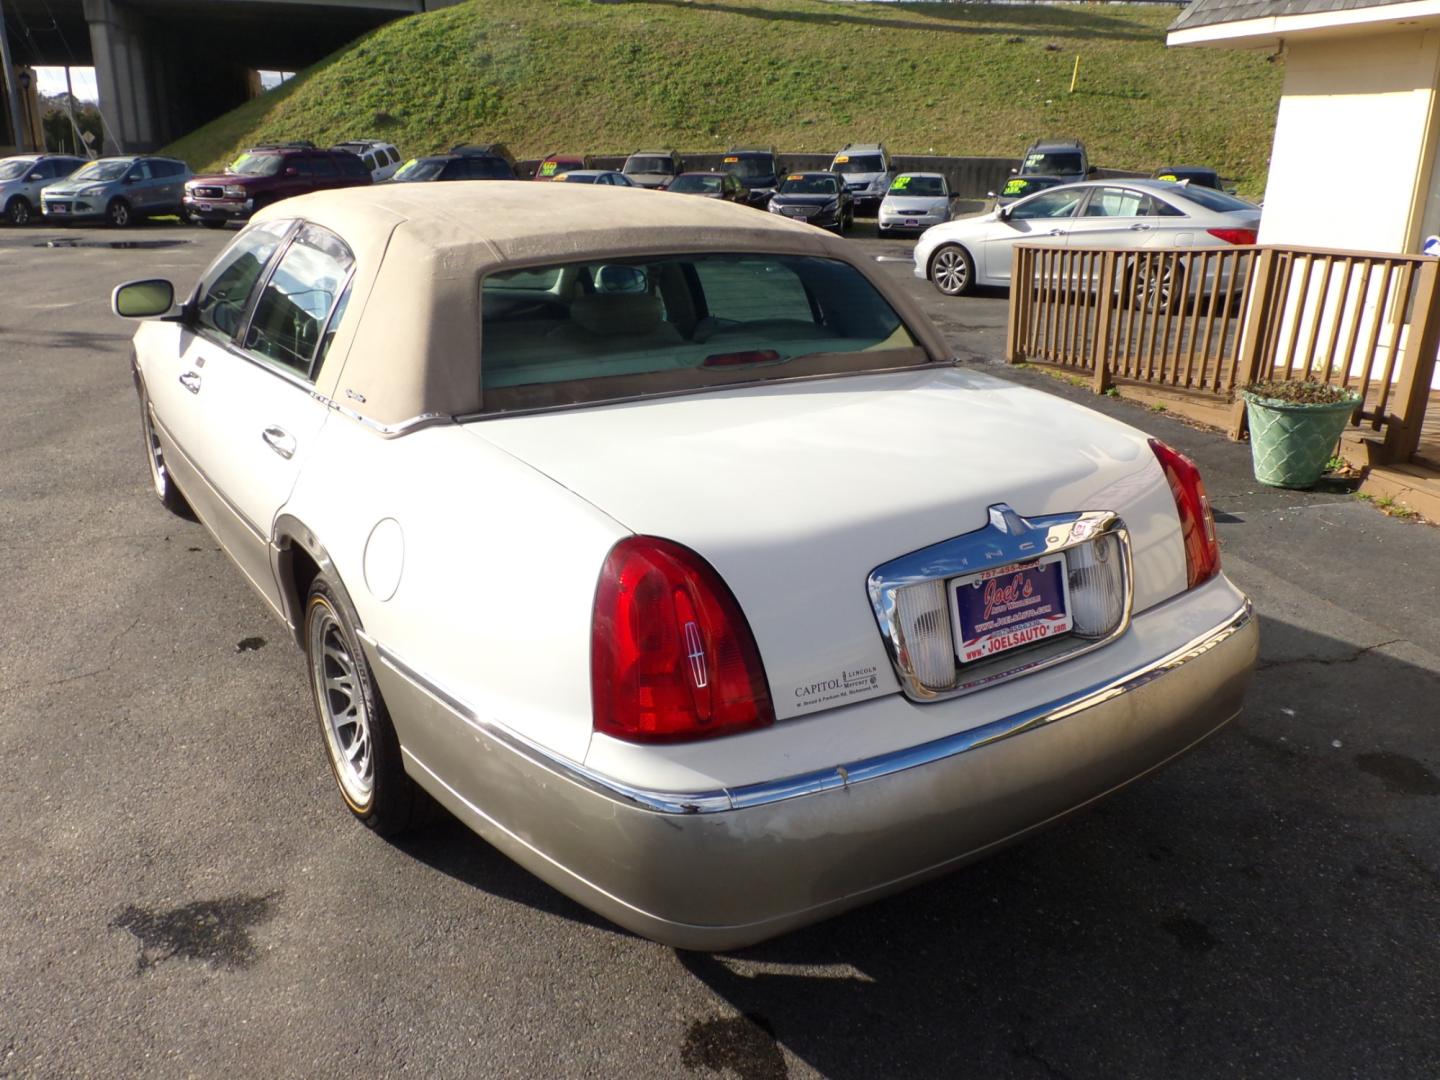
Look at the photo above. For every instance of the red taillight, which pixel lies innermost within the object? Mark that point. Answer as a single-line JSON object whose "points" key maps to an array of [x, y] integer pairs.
{"points": [[1234, 236], [671, 655], [1197, 521]]}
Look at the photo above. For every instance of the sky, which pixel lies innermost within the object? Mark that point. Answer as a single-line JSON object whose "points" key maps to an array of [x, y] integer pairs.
{"points": [[51, 80]]}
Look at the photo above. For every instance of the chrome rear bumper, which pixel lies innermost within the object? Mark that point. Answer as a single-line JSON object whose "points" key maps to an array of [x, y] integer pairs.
{"points": [[723, 869]]}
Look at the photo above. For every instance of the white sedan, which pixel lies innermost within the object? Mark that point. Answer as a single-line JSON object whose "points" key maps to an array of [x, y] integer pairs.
{"points": [[666, 546], [1139, 214]]}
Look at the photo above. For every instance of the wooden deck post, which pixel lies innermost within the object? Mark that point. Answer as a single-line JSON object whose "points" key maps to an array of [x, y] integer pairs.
{"points": [[1417, 365], [1019, 311], [1105, 298], [1252, 339]]}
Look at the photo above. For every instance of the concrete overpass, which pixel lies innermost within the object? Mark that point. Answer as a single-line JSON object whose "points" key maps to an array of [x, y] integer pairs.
{"points": [[164, 67]]}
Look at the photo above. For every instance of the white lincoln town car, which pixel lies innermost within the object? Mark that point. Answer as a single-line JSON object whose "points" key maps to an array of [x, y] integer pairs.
{"points": [[666, 545]]}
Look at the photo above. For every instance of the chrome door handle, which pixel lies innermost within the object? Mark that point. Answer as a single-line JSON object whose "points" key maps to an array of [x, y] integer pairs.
{"points": [[1057, 232], [279, 440], [1138, 227], [191, 381]]}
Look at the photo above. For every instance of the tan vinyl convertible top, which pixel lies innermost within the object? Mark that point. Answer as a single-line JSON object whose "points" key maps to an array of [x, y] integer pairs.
{"points": [[422, 249]]}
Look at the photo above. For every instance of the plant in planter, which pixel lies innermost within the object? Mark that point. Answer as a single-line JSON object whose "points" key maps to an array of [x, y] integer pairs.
{"points": [[1294, 427]]}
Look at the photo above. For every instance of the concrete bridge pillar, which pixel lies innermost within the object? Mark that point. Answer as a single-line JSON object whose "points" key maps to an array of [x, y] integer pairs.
{"points": [[123, 77]]}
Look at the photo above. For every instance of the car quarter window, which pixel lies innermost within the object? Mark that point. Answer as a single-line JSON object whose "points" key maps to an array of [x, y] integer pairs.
{"points": [[224, 292], [139, 171], [1127, 202], [630, 327], [1052, 204], [296, 302]]}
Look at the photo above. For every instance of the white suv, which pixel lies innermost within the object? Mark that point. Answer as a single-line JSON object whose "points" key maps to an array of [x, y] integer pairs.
{"points": [[867, 172], [380, 158]]}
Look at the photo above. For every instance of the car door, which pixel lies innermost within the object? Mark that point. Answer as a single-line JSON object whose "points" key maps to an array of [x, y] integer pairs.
{"points": [[186, 386], [258, 441], [1045, 218], [137, 188], [1123, 217]]}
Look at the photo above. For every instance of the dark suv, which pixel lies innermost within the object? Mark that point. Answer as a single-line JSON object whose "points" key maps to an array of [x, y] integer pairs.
{"points": [[462, 163], [265, 174]]}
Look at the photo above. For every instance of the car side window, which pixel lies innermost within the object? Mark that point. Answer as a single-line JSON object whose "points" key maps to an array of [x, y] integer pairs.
{"points": [[224, 291], [139, 171], [296, 303], [1115, 202], [326, 167], [1160, 208], [1052, 204], [394, 155], [302, 165]]}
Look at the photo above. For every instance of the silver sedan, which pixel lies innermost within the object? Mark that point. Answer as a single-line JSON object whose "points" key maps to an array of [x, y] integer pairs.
{"points": [[1138, 214]]}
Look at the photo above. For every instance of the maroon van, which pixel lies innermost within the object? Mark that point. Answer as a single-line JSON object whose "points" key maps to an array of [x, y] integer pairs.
{"points": [[265, 174]]}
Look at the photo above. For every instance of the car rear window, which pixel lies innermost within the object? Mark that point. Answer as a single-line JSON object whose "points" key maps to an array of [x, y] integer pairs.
{"points": [[603, 331], [1211, 199], [1063, 163], [649, 164], [702, 184]]}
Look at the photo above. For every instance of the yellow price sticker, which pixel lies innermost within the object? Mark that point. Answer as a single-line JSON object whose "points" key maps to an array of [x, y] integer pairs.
{"points": [[547, 168], [1168, 176], [562, 176], [730, 160], [1015, 187], [840, 159], [900, 184], [794, 176]]}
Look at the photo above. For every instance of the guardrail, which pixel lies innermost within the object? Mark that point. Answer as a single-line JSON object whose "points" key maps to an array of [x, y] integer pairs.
{"points": [[1212, 320]]}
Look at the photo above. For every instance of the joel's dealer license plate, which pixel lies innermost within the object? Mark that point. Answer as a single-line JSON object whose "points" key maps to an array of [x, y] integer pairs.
{"points": [[1010, 606]]}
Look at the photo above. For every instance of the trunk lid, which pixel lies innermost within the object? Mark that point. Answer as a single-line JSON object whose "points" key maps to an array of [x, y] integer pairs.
{"points": [[795, 492]]}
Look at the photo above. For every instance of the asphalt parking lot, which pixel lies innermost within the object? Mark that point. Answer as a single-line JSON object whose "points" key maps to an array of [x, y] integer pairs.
{"points": [[183, 895]]}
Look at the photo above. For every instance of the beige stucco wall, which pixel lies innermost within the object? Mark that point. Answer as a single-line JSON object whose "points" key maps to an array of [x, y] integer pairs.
{"points": [[1351, 163]]}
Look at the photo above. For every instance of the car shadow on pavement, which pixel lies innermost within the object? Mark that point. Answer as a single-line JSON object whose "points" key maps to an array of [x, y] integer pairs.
{"points": [[1269, 905], [451, 848]]}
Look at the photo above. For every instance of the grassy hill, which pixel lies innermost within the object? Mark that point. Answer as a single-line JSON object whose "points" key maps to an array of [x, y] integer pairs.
{"points": [[966, 78]]}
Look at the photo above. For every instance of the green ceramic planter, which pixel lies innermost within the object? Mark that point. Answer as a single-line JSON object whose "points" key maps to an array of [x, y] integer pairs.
{"points": [[1290, 443]]}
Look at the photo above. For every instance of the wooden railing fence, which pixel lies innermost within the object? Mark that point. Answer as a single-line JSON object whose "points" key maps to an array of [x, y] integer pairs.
{"points": [[1213, 320]]}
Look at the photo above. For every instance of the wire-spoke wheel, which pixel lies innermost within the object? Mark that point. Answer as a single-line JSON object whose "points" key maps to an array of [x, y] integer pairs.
{"points": [[952, 270], [18, 211], [360, 741], [166, 490]]}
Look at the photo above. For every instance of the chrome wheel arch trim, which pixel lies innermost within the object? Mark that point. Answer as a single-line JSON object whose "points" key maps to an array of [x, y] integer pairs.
{"points": [[770, 792]]}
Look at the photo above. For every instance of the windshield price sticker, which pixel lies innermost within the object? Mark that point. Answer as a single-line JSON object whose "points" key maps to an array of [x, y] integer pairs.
{"points": [[562, 176], [794, 176], [1168, 176], [1005, 608], [1034, 160], [547, 168], [1015, 187], [730, 161], [841, 159], [900, 184]]}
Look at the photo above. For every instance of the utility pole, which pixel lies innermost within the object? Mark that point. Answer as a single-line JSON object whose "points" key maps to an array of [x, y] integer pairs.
{"points": [[12, 88], [70, 109]]}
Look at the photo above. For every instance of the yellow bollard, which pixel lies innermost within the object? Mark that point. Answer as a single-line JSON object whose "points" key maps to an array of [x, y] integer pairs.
{"points": [[1075, 74]]}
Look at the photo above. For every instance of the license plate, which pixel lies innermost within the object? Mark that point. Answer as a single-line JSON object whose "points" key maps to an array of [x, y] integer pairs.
{"points": [[793, 211], [203, 207], [909, 221], [1002, 609], [58, 208]]}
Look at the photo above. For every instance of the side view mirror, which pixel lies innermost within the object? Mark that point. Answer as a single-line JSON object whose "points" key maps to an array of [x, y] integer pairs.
{"points": [[1014, 172], [35, 176], [132, 180], [1091, 171], [143, 299], [991, 195], [292, 171], [1004, 213]]}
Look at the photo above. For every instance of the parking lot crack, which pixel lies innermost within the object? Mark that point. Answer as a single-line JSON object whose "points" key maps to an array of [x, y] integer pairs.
{"points": [[109, 663], [1327, 661]]}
